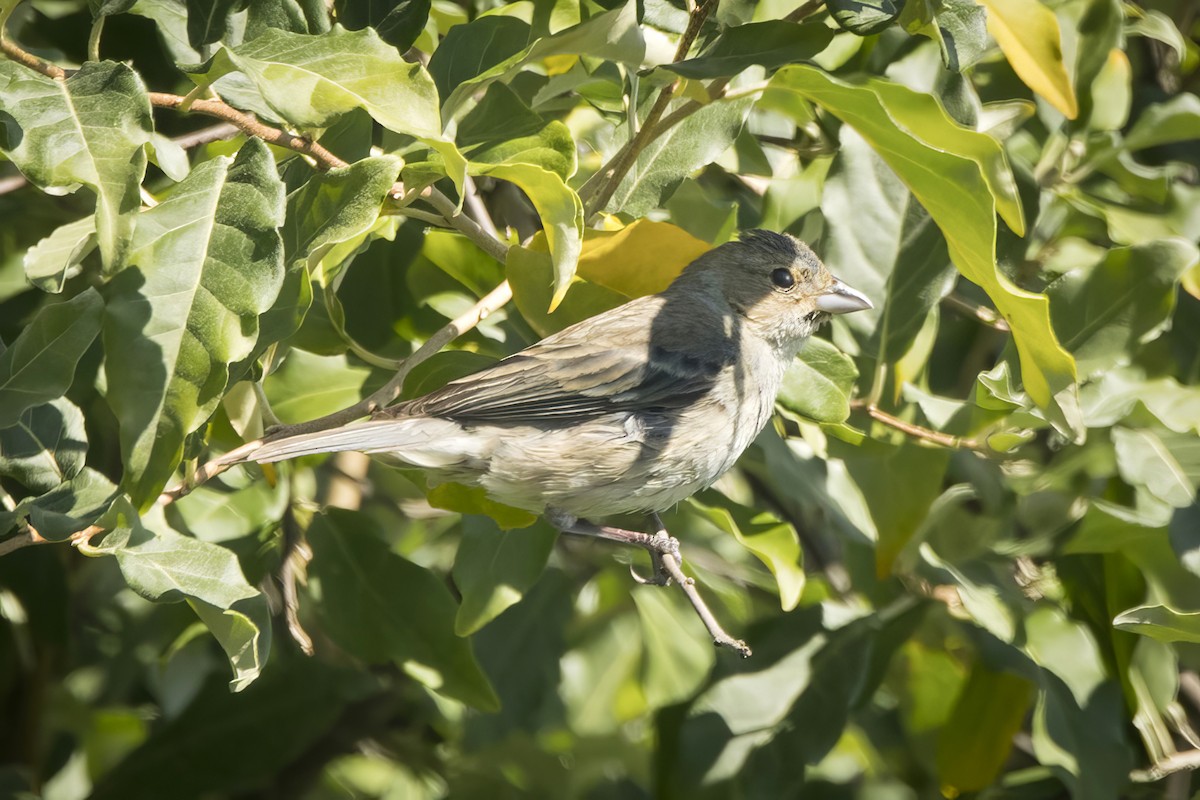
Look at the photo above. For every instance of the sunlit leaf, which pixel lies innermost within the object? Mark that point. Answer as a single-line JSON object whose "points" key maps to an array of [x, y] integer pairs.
{"points": [[89, 129], [206, 262], [1028, 33], [962, 179]]}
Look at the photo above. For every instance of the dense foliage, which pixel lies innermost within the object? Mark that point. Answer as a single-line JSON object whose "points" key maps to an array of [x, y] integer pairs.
{"points": [[965, 553]]}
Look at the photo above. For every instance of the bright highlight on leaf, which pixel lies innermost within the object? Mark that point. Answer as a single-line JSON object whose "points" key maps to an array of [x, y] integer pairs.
{"points": [[1028, 34]]}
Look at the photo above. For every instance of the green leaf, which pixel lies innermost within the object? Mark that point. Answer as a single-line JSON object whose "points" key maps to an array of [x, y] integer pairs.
{"points": [[165, 566], [560, 210], [978, 737], [208, 261], [311, 81], [1028, 34], [46, 447], [1143, 460], [236, 743], [308, 386], [676, 661], [88, 129], [382, 607], [957, 26], [398, 22], [1174, 120], [1104, 313], [773, 541], [494, 569], [962, 179], [864, 18], [490, 48], [818, 384], [502, 129], [474, 500], [899, 484], [335, 207], [768, 44], [663, 164], [40, 364], [885, 245], [1161, 622], [51, 261], [69, 507], [208, 20]]}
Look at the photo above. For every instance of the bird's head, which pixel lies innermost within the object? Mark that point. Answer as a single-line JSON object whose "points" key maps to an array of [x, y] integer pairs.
{"points": [[776, 283]]}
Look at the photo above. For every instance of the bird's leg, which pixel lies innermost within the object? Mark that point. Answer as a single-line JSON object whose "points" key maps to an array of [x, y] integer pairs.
{"points": [[657, 544], [664, 554]]}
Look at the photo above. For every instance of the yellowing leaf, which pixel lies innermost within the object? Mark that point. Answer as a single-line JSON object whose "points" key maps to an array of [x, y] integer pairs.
{"points": [[641, 259], [1028, 34]]}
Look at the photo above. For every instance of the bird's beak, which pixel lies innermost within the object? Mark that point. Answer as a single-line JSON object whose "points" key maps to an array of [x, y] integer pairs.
{"points": [[841, 299]]}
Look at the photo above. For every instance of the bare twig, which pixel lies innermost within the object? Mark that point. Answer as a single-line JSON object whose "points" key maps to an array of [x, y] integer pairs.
{"points": [[919, 432], [479, 210], [293, 568], [1175, 762], [21, 540], [469, 227], [248, 123], [10, 49], [985, 315]]}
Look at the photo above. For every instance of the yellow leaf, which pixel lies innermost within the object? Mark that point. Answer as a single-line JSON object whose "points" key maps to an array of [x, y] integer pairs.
{"points": [[1028, 33], [640, 259]]}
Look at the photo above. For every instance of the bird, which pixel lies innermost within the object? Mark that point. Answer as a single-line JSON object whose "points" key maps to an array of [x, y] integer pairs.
{"points": [[630, 411]]}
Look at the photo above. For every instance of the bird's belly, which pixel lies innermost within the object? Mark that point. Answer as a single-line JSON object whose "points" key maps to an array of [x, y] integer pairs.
{"points": [[617, 464]]}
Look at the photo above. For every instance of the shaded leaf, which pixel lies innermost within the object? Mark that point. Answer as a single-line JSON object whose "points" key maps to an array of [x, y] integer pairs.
{"points": [[1143, 460], [819, 382], [976, 740], [88, 129], [1104, 313], [382, 607], [235, 742], [398, 22], [46, 447], [494, 569], [676, 661], [40, 365], [768, 44], [864, 18], [69, 507], [165, 566], [490, 48]]}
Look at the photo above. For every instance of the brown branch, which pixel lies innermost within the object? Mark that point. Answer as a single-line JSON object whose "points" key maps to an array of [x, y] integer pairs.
{"points": [[248, 123], [10, 49], [1175, 762], [922, 433]]}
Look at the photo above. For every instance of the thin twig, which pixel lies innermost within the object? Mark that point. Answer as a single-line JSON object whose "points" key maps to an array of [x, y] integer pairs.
{"points": [[479, 210], [804, 11], [293, 568], [600, 187], [10, 49], [472, 229], [985, 315], [1176, 762], [919, 432], [21, 540], [248, 123]]}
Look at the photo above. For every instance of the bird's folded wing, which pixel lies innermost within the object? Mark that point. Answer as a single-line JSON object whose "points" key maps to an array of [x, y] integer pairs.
{"points": [[578, 376]]}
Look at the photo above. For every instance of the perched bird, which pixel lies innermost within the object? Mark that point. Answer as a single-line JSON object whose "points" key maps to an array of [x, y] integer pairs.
{"points": [[632, 410]]}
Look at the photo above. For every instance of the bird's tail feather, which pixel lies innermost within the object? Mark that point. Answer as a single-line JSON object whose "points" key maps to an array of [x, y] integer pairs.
{"points": [[398, 436]]}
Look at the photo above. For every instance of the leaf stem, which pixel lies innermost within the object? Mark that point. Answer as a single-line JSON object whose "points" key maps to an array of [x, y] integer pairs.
{"points": [[93, 45]]}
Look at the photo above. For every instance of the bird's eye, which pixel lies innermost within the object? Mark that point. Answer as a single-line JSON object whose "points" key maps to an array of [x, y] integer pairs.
{"points": [[783, 278]]}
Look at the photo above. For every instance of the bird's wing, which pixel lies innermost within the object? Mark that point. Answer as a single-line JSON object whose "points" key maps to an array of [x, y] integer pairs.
{"points": [[578, 374]]}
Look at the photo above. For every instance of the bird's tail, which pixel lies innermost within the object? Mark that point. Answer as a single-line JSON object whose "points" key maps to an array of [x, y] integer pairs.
{"points": [[419, 441]]}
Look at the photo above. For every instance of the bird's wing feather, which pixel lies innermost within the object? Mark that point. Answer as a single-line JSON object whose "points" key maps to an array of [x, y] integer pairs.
{"points": [[576, 374]]}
